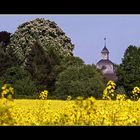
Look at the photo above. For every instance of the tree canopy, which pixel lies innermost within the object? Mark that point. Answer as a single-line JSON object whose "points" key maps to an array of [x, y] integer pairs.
{"points": [[43, 31], [83, 81], [129, 70]]}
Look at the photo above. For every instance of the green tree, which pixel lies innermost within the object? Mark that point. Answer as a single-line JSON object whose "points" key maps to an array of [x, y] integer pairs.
{"points": [[21, 80], [39, 66], [7, 59], [25, 88], [44, 66], [43, 31], [13, 74], [129, 70], [83, 81], [62, 65], [72, 61]]}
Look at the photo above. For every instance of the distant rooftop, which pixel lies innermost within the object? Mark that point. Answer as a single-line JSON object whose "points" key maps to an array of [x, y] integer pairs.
{"points": [[104, 62]]}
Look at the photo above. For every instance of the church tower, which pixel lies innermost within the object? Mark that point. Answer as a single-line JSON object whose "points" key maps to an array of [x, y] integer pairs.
{"points": [[105, 52], [105, 65]]}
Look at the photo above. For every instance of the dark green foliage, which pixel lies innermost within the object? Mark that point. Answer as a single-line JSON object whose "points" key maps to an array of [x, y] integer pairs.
{"points": [[39, 64], [83, 81], [120, 90], [37, 60], [7, 60], [44, 66], [62, 65], [129, 70], [25, 88], [21, 80], [13, 74], [4, 38], [72, 61]]}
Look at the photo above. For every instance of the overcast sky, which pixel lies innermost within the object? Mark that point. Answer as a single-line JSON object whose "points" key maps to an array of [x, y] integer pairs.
{"points": [[87, 32]]}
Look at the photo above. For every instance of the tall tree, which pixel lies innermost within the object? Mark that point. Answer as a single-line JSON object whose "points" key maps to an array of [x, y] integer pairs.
{"points": [[38, 65], [44, 31], [129, 70]]}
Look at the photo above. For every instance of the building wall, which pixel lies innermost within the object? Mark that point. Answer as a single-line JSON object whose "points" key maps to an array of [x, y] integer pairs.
{"points": [[105, 56], [106, 68]]}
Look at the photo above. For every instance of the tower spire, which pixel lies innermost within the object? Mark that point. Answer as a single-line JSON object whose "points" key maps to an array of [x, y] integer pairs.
{"points": [[105, 42], [105, 52]]}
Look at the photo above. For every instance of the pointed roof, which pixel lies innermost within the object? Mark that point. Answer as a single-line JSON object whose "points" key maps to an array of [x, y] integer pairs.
{"points": [[104, 50]]}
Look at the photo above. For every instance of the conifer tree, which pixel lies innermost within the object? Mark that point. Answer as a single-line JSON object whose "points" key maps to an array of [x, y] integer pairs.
{"points": [[129, 70]]}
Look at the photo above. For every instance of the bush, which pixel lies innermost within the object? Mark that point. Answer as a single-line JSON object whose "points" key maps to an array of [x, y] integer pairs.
{"points": [[24, 88], [13, 74], [21, 81], [83, 81]]}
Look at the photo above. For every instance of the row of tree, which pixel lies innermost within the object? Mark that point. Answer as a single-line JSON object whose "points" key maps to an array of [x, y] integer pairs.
{"points": [[62, 76], [31, 66], [39, 56]]}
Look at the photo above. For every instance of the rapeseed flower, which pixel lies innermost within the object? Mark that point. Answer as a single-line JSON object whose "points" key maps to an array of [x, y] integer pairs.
{"points": [[43, 95]]}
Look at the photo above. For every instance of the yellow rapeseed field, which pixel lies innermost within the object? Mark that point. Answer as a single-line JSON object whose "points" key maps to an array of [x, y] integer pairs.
{"points": [[78, 112], [112, 110]]}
